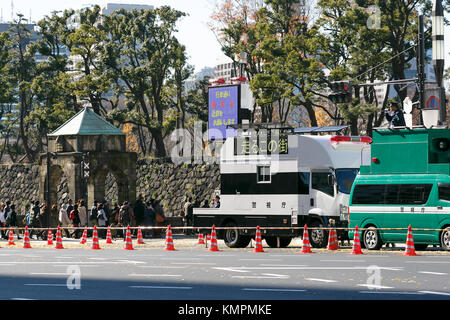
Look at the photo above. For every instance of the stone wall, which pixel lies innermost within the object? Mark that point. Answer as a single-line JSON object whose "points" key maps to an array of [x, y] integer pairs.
{"points": [[156, 179], [19, 184]]}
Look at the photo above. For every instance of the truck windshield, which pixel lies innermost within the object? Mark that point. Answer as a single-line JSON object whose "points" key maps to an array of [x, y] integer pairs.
{"points": [[345, 178]]}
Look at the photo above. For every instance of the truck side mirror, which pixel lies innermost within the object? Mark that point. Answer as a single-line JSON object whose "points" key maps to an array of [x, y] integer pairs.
{"points": [[330, 179]]}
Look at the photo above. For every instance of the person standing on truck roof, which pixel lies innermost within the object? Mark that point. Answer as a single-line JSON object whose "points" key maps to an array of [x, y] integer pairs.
{"points": [[395, 116]]}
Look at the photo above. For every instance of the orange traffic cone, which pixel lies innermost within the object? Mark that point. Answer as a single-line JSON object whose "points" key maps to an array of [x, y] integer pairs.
{"points": [[213, 246], [128, 241], [49, 237], [258, 241], [332, 240], [169, 240], [95, 245], [59, 244], [26, 239], [306, 246], [11, 238], [108, 235], [140, 239], [200, 239], [410, 250], [84, 236], [356, 243]]}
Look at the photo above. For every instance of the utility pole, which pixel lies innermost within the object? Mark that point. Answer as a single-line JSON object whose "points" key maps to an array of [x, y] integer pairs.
{"points": [[439, 54], [421, 76]]}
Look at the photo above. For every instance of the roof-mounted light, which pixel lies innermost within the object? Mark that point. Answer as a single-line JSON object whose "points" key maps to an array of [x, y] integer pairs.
{"points": [[363, 139]]}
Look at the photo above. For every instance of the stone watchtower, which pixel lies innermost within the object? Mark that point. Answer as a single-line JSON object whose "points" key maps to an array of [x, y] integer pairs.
{"points": [[84, 150]]}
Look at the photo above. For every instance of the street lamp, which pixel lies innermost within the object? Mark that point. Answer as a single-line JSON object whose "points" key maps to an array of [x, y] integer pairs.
{"points": [[438, 40]]}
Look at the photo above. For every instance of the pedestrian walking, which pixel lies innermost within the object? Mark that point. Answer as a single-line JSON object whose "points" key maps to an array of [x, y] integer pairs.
{"points": [[126, 215], [149, 219], [188, 213], [3, 220], [11, 220], [102, 220], [139, 209], [63, 218], [75, 218], [160, 218], [82, 212]]}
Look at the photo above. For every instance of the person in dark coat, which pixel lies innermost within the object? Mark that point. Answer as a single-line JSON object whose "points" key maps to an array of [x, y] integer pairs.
{"points": [[139, 210], [11, 220], [395, 116]]}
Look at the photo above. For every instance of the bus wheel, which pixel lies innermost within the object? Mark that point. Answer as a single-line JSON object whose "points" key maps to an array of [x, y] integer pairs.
{"points": [[233, 239], [445, 239], [371, 239], [318, 237], [273, 243]]}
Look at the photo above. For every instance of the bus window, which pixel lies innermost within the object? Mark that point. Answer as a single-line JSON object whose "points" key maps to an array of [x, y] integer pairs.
{"points": [[320, 182], [444, 191], [368, 194], [411, 194]]}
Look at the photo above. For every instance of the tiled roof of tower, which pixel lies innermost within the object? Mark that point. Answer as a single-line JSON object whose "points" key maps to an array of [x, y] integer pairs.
{"points": [[86, 122]]}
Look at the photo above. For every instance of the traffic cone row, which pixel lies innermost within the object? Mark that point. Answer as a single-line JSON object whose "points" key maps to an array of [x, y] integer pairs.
{"points": [[84, 236], [59, 244], [306, 246], [26, 239], [332, 240], [258, 241], [108, 235], [356, 243], [95, 244], [169, 240], [140, 239], [213, 246], [128, 241], [49, 237], [410, 250]]}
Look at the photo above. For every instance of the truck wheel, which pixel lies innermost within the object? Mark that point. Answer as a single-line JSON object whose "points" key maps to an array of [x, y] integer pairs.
{"points": [[233, 239], [272, 241], [371, 239], [318, 237], [445, 239]]}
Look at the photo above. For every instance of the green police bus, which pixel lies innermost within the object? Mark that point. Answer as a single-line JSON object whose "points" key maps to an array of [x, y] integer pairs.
{"points": [[407, 183]]}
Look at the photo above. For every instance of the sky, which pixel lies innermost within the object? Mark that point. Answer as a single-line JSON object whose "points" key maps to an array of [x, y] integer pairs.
{"points": [[201, 44]]}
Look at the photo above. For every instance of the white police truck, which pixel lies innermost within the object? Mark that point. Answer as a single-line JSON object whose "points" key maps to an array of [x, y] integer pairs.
{"points": [[284, 178]]}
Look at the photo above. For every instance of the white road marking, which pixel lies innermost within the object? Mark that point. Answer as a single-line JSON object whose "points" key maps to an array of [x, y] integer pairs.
{"points": [[21, 299], [316, 268], [343, 260], [277, 290], [438, 293], [321, 280], [436, 273], [160, 287], [77, 264], [264, 276], [389, 292], [374, 286], [164, 267], [427, 262], [48, 274], [282, 265], [200, 263], [46, 284], [155, 275], [231, 269], [256, 259]]}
